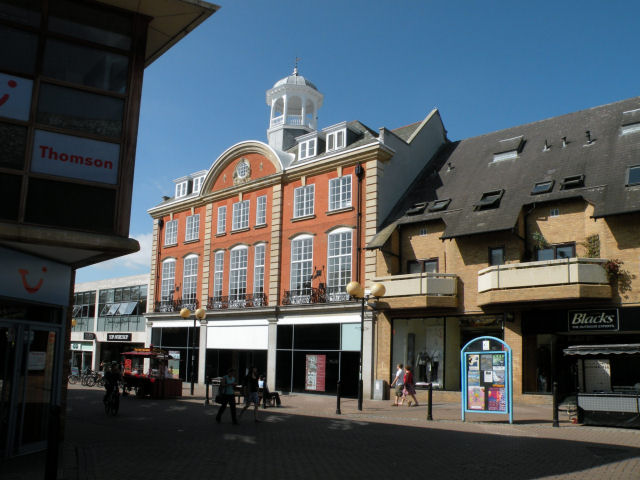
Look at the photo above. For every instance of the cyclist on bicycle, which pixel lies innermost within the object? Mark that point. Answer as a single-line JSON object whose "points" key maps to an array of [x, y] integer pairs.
{"points": [[111, 378]]}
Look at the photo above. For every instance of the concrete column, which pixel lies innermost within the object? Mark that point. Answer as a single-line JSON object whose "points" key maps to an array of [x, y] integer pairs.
{"points": [[202, 352], [271, 353], [367, 355]]}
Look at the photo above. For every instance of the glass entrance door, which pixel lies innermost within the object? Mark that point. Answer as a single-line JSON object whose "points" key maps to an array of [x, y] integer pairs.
{"points": [[26, 386], [7, 374]]}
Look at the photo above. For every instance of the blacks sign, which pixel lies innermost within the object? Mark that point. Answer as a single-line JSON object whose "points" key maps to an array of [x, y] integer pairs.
{"points": [[118, 337], [593, 320]]}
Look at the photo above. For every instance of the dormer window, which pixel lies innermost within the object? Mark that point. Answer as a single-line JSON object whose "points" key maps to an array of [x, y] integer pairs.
{"points": [[439, 205], [182, 189], [336, 140], [489, 200], [508, 149], [197, 183], [542, 187], [573, 181], [307, 149]]}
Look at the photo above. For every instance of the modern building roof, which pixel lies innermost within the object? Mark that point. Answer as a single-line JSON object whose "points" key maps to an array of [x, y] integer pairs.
{"points": [[489, 179]]}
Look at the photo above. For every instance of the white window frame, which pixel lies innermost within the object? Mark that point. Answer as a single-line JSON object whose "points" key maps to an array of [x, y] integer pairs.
{"points": [[340, 192], [182, 188], [307, 149], [218, 274], [167, 285], [301, 265], [336, 140], [261, 210], [192, 230], [339, 263], [222, 219], [190, 280], [197, 184], [171, 232], [259, 256], [240, 215], [238, 263], [303, 201]]}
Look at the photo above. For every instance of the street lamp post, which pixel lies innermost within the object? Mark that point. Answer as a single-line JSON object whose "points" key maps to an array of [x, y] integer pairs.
{"points": [[356, 290], [200, 314]]}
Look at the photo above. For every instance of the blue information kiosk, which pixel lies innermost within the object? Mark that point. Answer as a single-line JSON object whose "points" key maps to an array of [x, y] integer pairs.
{"points": [[487, 375]]}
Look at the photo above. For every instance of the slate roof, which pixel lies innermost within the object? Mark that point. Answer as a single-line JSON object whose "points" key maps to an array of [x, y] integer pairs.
{"points": [[464, 170], [365, 136]]}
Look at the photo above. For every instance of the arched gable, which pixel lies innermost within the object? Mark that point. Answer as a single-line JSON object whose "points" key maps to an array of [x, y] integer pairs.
{"points": [[260, 157]]}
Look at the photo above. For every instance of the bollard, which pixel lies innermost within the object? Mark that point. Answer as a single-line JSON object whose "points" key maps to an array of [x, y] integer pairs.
{"points": [[555, 404], [53, 444], [430, 402], [207, 382], [338, 412]]}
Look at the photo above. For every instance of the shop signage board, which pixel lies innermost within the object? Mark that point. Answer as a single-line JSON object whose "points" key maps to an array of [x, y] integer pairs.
{"points": [[594, 320], [15, 97], [75, 157], [487, 377], [33, 278], [118, 337]]}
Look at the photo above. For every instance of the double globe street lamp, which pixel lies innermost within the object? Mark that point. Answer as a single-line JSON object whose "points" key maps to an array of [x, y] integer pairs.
{"points": [[200, 314], [356, 290]]}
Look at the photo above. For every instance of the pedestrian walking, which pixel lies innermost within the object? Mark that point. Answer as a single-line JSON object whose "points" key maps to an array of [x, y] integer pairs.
{"points": [[251, 393], [398, 383], [227, 385], [409, 386]]}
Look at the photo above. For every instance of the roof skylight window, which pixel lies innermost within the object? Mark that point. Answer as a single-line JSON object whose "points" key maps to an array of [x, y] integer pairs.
{"points": [[633, 175], [508, 149], [490, 200], [630, 121], [573, 181], [439, 205], [542, 187], [416, 208]]}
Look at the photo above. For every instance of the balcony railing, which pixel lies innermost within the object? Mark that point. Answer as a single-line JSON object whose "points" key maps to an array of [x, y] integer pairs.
{"points": [[566, 271], [429, 284], [311, 295], [290, 120], [250, 300], [168, 306]]}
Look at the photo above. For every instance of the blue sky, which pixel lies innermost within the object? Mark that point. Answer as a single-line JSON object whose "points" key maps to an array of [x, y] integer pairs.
{"points": [[485, 65]]}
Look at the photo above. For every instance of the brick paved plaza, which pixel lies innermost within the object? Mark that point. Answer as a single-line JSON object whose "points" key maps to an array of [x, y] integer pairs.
{"points": [[179, 439]]}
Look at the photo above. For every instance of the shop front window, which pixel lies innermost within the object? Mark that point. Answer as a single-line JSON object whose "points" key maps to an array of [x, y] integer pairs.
{"points": [[537, 361], [419, 343]]}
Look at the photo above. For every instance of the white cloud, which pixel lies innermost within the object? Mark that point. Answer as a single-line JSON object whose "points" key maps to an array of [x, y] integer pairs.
{"points": [[132, 264]]}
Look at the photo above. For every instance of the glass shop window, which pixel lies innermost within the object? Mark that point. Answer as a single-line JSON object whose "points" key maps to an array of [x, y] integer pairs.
{"points": [[21, 57], [90, 23], [13, 139], [9, 196], [85, 66], [75, 110]]}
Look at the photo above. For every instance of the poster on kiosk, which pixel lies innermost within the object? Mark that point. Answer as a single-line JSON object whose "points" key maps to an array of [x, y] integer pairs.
{"points": [[485, 363]]}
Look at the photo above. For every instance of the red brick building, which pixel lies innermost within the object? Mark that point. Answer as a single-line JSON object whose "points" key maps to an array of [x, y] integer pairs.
{"points": [[281, 229]]}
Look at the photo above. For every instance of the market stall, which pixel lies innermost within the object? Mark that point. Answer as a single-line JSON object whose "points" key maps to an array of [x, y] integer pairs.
{"points": [[609, 384], [146, 373]]}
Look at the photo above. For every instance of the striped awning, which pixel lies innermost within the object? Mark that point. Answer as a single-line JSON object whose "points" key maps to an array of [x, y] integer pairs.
{"points": [[629, 348]]}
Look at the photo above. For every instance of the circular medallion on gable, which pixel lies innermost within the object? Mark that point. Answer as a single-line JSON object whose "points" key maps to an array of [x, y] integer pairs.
{"points": [[242, 172]]}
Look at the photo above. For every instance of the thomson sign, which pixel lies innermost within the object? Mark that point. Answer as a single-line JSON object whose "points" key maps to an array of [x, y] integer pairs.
{"points": [[593, 320]]}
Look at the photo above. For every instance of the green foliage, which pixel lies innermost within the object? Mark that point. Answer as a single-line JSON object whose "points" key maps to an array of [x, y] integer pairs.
{"points": [[592, 246]]}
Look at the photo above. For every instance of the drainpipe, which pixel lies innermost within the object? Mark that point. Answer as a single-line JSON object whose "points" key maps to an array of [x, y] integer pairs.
{"points": [[360, 174]]}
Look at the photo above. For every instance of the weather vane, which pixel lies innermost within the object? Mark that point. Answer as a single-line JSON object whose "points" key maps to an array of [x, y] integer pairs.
{"points": [[295, 68]]}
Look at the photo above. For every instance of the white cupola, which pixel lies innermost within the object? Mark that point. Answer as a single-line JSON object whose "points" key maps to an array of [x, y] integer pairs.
{"points": [[294, 103]]}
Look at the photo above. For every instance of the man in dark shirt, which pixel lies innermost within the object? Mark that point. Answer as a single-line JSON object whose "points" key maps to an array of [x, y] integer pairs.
{"points": [[251, 393]]}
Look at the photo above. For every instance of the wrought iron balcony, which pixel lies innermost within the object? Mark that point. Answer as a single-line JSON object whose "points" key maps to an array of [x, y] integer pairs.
{"points": [[249, 300], [311, 295], [167, 306]]}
